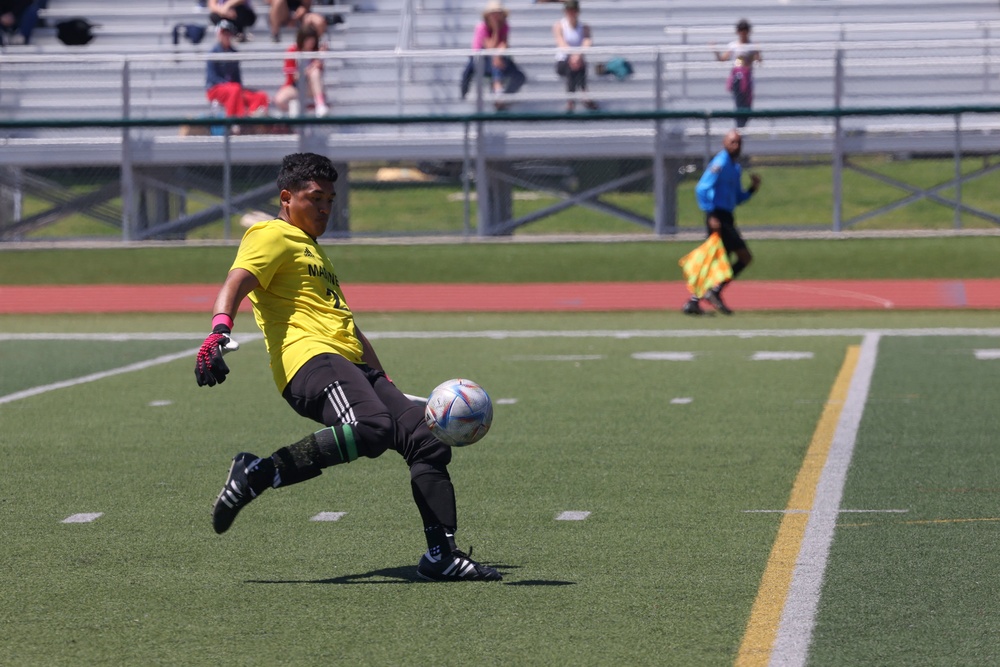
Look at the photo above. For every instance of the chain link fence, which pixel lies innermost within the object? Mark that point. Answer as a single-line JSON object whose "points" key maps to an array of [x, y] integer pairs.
{"points": [[137, 154]]}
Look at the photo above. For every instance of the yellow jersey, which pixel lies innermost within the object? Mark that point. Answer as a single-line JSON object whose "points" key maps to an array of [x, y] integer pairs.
{"points": [[299, 304]]}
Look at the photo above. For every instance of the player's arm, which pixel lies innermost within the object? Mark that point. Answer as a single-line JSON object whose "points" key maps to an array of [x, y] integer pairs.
{"points": [[722, 56], [239, 283], [744, 195], [368, 352], [210, 368], [557, 33], [705, 189]]}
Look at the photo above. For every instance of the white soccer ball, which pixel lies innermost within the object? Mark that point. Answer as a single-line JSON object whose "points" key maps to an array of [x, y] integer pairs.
{"points": [[459, 412]]}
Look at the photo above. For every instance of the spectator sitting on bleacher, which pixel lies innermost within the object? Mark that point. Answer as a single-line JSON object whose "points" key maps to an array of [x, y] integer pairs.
{"points": [[571, 34], [293, 14], [287, 97], [223, 81], [240, 12], [18, 19], [493, 32]]}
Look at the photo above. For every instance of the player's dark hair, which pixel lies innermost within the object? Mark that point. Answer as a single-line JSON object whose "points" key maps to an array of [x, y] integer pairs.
{"points": [[300, 169]]}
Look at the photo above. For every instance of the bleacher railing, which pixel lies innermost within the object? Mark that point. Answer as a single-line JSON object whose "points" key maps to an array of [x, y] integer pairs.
{"points": [[132, 118], [156, 190]]}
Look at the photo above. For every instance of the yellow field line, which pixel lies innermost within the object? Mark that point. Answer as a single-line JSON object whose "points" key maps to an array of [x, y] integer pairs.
{"points": [[762, 628], [920, 522]]}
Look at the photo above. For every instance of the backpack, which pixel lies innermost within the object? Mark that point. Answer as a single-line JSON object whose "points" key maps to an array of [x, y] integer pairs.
{"points": [[620, 68], [194, 33], [75, 32]]}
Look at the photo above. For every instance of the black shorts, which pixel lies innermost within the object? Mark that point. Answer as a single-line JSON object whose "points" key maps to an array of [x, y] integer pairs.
{"points": [[732, 240], [333, 391]]}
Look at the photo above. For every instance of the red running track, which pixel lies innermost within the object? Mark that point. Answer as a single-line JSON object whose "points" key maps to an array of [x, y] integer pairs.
{"points": [[748, 295]]}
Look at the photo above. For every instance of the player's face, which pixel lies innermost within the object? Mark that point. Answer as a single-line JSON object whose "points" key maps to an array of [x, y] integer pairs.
{"points": [[309, 208]]}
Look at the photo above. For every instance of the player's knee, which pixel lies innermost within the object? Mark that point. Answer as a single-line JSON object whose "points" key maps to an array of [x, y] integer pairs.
{"points": [[434, 454], [375, 434]]}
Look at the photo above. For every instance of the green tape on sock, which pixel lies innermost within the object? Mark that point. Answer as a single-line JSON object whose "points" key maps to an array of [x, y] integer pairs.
{"points": [[352, 446]]}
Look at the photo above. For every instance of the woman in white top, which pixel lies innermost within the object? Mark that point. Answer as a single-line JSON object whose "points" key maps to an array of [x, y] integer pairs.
{"points": [[744, 54], [570, 34]]}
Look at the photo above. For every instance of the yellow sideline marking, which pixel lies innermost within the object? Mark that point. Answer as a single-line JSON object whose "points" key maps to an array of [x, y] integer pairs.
{"points": [[762, 628], [921, 522]]}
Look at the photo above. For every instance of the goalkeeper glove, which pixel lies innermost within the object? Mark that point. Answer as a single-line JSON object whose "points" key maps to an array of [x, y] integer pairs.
{"points": [[209, 367]]}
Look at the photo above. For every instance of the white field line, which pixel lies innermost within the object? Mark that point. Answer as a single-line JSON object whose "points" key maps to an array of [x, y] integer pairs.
{"points": [[93, 377], [663, 356], [111, 337], [678, 333], [781, 356], [791, 646], [436, 335], [83, 517]]}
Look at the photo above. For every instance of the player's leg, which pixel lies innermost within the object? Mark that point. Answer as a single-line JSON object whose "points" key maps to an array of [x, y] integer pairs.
{"points": [[734, 244], [227, 95], [693, 305], [284, 97], [432, 488], [277, 17], [332, 391], [315, 21], [245, 18], [314, 75], [255, 100]]}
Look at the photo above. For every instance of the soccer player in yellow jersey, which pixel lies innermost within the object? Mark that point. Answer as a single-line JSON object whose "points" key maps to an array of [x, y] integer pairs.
{"points": [[326, 370]]}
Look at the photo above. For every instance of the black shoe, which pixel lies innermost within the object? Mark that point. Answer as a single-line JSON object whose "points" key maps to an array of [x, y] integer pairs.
{"points": [[692, 308], [236, 494], [456, 567], [715, 299]]}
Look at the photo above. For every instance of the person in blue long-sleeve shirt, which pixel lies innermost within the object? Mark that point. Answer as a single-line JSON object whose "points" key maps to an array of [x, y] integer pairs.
{"points": [[719, 192]]}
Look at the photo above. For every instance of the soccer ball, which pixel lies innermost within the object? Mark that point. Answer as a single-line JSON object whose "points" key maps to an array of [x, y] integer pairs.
{"points": [[459, 412]]}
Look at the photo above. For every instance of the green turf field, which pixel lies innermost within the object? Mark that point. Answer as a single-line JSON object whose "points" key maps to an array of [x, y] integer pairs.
{"points": [[684, 467]]}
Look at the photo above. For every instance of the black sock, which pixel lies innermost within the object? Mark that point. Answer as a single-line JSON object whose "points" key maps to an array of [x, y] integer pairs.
{"points": [[306, 458], [440, 541], [260, 475]]}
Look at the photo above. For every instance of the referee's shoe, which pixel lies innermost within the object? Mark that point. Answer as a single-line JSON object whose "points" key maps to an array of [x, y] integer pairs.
{"points": [[715, 299]]}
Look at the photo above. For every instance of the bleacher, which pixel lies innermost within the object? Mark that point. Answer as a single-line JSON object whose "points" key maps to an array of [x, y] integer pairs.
{"points": [[405, 57], [381, 63]]}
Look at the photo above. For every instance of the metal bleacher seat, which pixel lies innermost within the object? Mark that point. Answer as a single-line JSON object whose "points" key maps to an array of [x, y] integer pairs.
{"points": [[406, 56]]}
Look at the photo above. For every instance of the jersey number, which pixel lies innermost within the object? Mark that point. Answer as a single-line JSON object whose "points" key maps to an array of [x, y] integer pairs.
{"points": [[337, 303]]}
